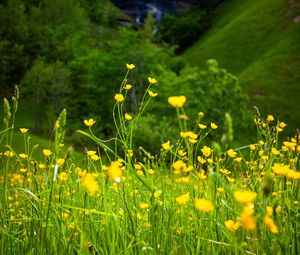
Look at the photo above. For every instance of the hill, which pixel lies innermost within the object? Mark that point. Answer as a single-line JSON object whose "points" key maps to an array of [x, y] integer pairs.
{"points": [[259, 41]]}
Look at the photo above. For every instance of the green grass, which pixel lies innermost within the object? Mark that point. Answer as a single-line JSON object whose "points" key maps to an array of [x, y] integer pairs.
{"points": [[191, 197], [259, 42]]}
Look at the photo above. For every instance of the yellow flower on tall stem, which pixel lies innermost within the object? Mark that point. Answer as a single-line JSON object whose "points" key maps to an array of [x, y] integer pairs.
{"points": [[245, 197], [204, 205], [119, 98], [130, 66], [24, 130], [177, 101], [89, 122], [152, 80]]}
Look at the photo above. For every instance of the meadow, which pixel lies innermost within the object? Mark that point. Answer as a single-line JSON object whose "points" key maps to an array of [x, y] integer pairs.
{"points": [[193, 196]]}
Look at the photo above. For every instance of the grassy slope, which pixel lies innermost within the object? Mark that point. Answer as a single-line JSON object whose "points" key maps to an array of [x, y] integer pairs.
{"points": [[259, 42]]}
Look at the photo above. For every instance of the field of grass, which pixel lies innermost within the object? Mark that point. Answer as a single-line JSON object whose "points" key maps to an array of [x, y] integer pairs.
{"points": [[259, 42], [191, 197]]}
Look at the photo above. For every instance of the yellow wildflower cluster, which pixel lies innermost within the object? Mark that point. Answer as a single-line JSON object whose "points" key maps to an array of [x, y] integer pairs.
{"points": [[90, 184]]}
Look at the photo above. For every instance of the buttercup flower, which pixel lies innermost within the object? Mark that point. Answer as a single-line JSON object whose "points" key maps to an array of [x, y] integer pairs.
{"points": [[60, 161], [166, 146], [89, 122], [9, 154], [202, 126], [128, 116], [144, 206], [206, 151], [24, 130], [270, 224], [213, 125], [245, 197], [128, 86], [232, 225], [23, 155], [119, 98], [204, 205], [270, 118], [177, 101], [130, 66], [151, 93], [47, 152], [231, 153], [247, 220], [152, 80], [114, 171], [89, 183], [183, 199]]}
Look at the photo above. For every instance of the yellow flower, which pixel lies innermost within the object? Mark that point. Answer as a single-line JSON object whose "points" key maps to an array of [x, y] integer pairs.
{"points": [[247, 220], [281, 169], [23, 170], [192, 141], [128, 86], [231, 225], [9, 154], [119, 98], [23, 156], [238, 160], [274, 151], [224, 171], [202, 126], [89, 183], [221, 190], [206, 151], [252, 147], [182, 200], [245, 197], [188, 134], [177, 101], [204, 205], [128, 116], [201, 114], [166, 146], [42, 166], [270, 224], [47, 152], [89, 122], [152, 80], [60, 161], [151, 171], [130, 66], [144, 206], [114, 171], [95, 157], [213, 125], [91, 153], [231, 153], [179, 166], [23, 130], [282, 125], [63, 177], [129, 153], [151, 93], [270, 118], [201, 160], [269, 210], [181, 153]]}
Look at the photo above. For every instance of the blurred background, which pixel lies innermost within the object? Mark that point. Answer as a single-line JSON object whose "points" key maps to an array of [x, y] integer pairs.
{"points": [[224, 56]]}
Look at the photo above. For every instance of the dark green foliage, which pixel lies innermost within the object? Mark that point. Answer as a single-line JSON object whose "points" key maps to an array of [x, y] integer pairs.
{"points": [[214, 91], [48, 87], [72, 54], [185, 28]]}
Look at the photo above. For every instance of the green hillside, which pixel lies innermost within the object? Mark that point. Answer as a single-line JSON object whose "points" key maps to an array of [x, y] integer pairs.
{"points": [[259, 41]]}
